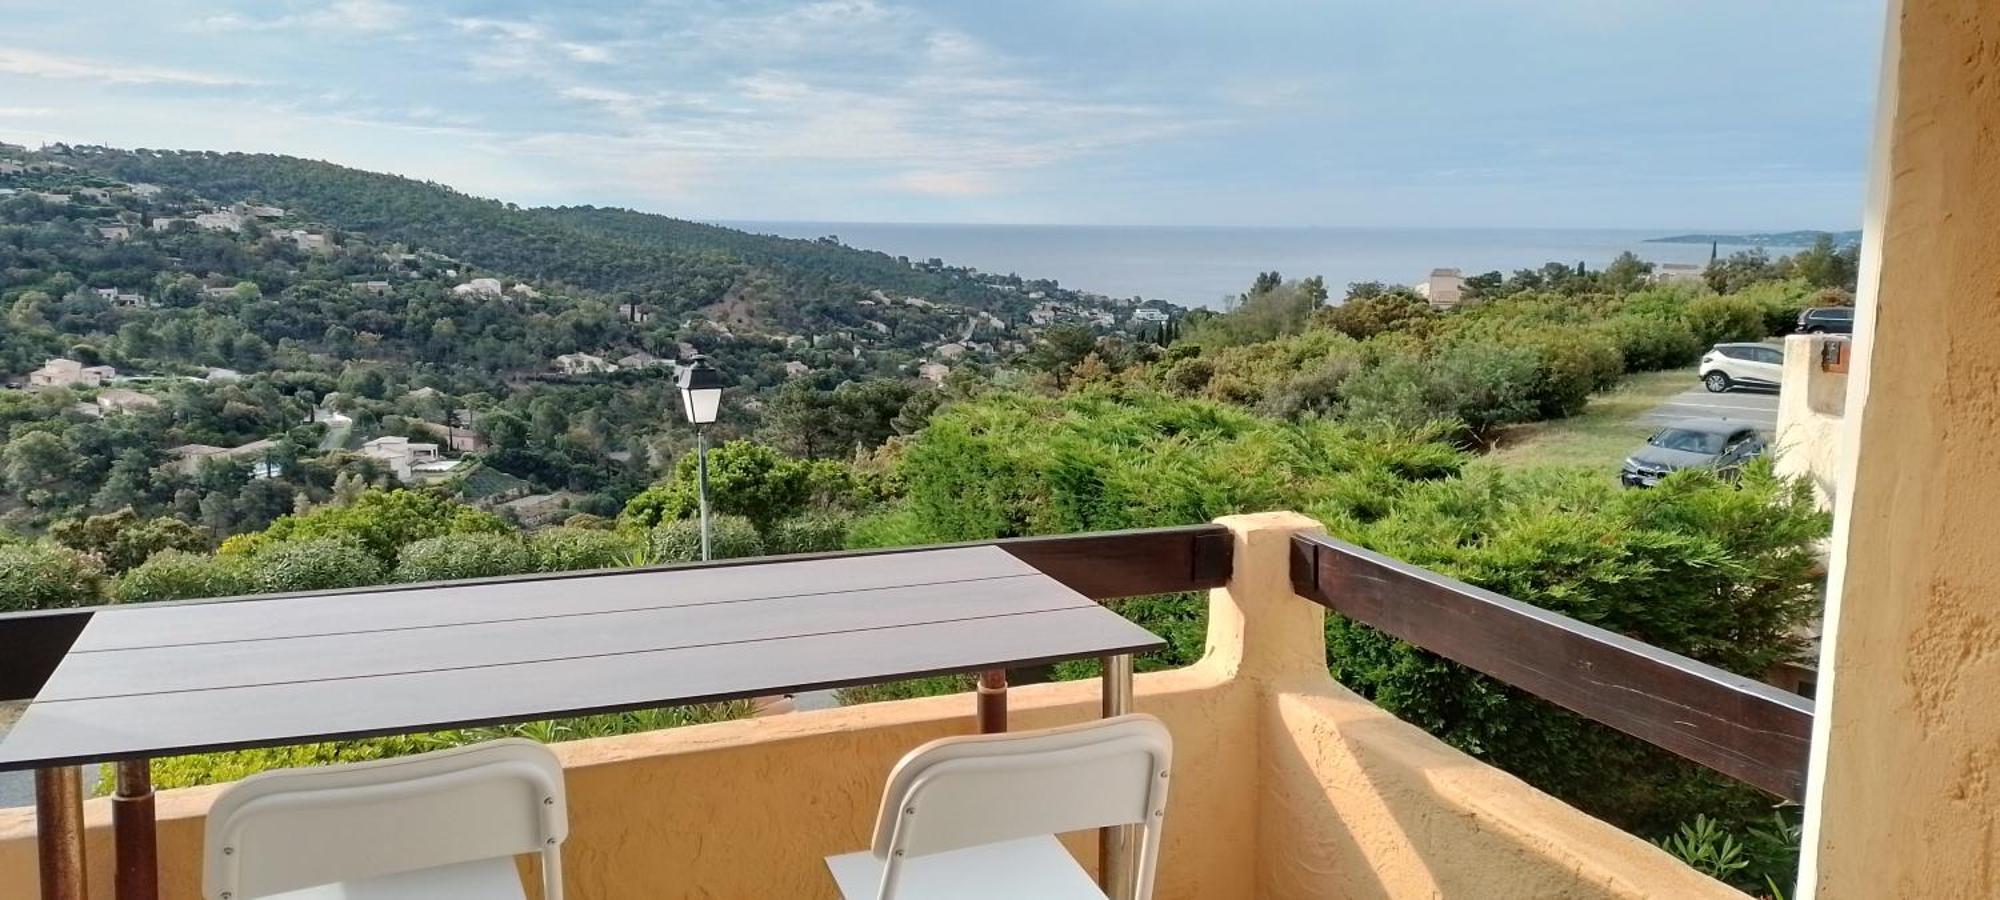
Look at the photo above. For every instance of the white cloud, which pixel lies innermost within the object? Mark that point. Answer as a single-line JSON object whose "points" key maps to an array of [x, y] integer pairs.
{"points": [[527, 47], [944, 184], [338, 15], [39, 65], [25, 112]]}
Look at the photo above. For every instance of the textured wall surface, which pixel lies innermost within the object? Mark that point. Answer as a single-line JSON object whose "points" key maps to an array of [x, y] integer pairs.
{"points": [[1286, 785], [1909, 740]]}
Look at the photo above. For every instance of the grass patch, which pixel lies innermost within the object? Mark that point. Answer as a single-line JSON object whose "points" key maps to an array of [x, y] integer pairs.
{"points": [[1601, 436]]}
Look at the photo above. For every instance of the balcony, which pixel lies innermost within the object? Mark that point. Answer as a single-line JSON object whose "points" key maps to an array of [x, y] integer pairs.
{"points": [[1289, 785]]}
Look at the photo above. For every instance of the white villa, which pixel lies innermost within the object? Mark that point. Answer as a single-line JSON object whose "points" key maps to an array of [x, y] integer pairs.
{"points": [[583, 364], [122, 400], [1678, 273], [485, 286], [69, 373], [410, 460], [226, 220], [1445, 288]]}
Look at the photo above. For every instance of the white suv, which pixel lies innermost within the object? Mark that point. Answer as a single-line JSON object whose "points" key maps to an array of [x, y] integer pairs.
{"points": [[1748, 365]]}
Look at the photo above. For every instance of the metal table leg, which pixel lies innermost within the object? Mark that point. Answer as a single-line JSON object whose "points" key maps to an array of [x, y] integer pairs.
{"points": [[993, 701], [1118, 846], [59, 832], [132, 829]]}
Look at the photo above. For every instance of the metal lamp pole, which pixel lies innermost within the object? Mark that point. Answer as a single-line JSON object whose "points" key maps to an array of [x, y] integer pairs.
{"points": [[701, 399], [701, 478]]}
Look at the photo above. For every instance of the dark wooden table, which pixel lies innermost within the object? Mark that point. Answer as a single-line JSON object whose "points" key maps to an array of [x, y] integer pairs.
{"points": [[162, 680]]}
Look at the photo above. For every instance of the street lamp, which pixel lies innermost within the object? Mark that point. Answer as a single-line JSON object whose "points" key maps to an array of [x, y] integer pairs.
{"points": [[701, 399]]}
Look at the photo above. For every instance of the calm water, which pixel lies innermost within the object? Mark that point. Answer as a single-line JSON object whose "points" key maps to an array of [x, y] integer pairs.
{"points": [[1203, 265]]}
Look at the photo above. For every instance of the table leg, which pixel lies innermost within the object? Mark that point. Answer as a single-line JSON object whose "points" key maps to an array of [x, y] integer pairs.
{"points": [[1118, 846], [132, 829], [993, 701], [59, 832]]}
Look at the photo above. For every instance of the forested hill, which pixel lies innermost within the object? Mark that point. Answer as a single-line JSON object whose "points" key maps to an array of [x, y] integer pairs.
{"points": [[674, 263]]}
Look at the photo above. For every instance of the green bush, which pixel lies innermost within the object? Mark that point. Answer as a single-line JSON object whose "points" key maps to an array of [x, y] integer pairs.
{"points": [[819, 532], [730, 537], [1727, 319], [313, 565], [45, 576], [569, 548], [451, 557], [744, 479], [1653, 343], [380, 522], [179, 575], [1719, 572]]}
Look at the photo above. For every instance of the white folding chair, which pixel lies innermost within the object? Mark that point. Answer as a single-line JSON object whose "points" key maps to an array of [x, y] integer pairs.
{"points": [[437, 826], [976, 817]]}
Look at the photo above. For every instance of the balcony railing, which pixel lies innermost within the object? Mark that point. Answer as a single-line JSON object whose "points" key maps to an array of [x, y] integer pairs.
{"points": [[1741, 728]]}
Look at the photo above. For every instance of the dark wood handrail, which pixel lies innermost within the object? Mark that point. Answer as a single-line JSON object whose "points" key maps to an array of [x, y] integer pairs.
{"points": [[1101, 565], [1745, 729]]}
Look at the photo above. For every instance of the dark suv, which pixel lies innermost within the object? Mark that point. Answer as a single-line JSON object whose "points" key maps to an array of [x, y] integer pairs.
{"points": [[1827, 320]]}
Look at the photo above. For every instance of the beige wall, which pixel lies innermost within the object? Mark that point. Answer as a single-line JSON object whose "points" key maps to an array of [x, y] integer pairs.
{"points": [[1810, 406], [1286, 786], [1902, 800]]}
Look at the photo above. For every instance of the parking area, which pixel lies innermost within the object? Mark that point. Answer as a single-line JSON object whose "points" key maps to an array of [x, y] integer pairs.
{"points": [[1756, 407]]}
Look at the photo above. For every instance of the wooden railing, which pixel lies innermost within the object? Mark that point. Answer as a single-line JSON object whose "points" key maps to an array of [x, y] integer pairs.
{"points": [[1742, 728], [1745, 729]]}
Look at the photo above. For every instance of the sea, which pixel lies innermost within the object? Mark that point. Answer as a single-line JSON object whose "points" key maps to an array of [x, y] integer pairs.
{"points": [[1204, 266]]}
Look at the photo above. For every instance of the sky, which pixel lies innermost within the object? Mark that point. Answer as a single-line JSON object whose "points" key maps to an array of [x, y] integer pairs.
{"points": [[1448, 113]]}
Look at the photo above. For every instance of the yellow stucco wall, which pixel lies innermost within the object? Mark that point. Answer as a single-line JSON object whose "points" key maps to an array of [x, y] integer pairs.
{"points": [[1286, 786], [1904, 787]]}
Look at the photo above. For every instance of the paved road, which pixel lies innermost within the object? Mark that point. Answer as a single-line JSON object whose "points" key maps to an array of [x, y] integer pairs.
{"points": [[1759, 408]]}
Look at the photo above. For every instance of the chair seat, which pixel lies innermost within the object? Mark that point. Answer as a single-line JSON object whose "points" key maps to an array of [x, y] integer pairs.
{"points": [[1037, 868], [486, 879]]}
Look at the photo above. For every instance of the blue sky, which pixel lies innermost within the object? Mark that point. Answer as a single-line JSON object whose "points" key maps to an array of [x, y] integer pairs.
{"points": [[1533, 113]]}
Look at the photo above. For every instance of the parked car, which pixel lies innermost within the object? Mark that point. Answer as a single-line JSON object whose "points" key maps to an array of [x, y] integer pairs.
{"points": [[1742, 365], [1717, 444], [1827, 320]]}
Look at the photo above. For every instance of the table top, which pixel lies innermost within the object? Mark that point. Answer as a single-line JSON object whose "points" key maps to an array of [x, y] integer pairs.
{"points": [[183, 678]]}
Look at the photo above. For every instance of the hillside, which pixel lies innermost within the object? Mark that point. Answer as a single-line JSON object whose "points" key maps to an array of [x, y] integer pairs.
{"points": [[1765, 239], [677, 264]]}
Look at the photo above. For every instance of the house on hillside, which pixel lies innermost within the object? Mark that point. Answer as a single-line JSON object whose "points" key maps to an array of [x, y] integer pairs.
{"points": [[1679, 273], [163, 223], [933, 372], [583, 364], [1149, 316], [306, 240], [9, 167], [487, 287], [1445, 288], [256, 211], [50, 197], [219, 375], [225, 220], [640, 360], [412, 461], [69, 373], [95, 195], [796, 369], [378, 288], [634, 313], [115, 232], [952, 350], [121, 400], [526, 291], [147, 191], [189, 458]]}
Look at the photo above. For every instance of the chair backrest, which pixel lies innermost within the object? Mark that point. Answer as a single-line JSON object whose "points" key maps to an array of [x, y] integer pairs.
{"points": [[967, 791], [296, 828]]}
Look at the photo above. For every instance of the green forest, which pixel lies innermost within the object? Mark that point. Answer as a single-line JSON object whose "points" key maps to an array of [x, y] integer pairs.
{"points": [[1363, 411]]}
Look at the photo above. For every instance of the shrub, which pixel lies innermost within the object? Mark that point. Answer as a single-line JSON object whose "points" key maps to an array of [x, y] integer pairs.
{"points": [[1711, 570], [380, 522], [179, 575], [744, 479], [451, 557], [1726, 319], [811, 533], [46, 576], [571, 548], [312, 565], [1652, 343], [121, 540], [730, 537]]}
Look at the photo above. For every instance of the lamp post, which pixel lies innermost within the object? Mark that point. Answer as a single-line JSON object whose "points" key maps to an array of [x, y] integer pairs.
{"points": [[701, 399]]}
